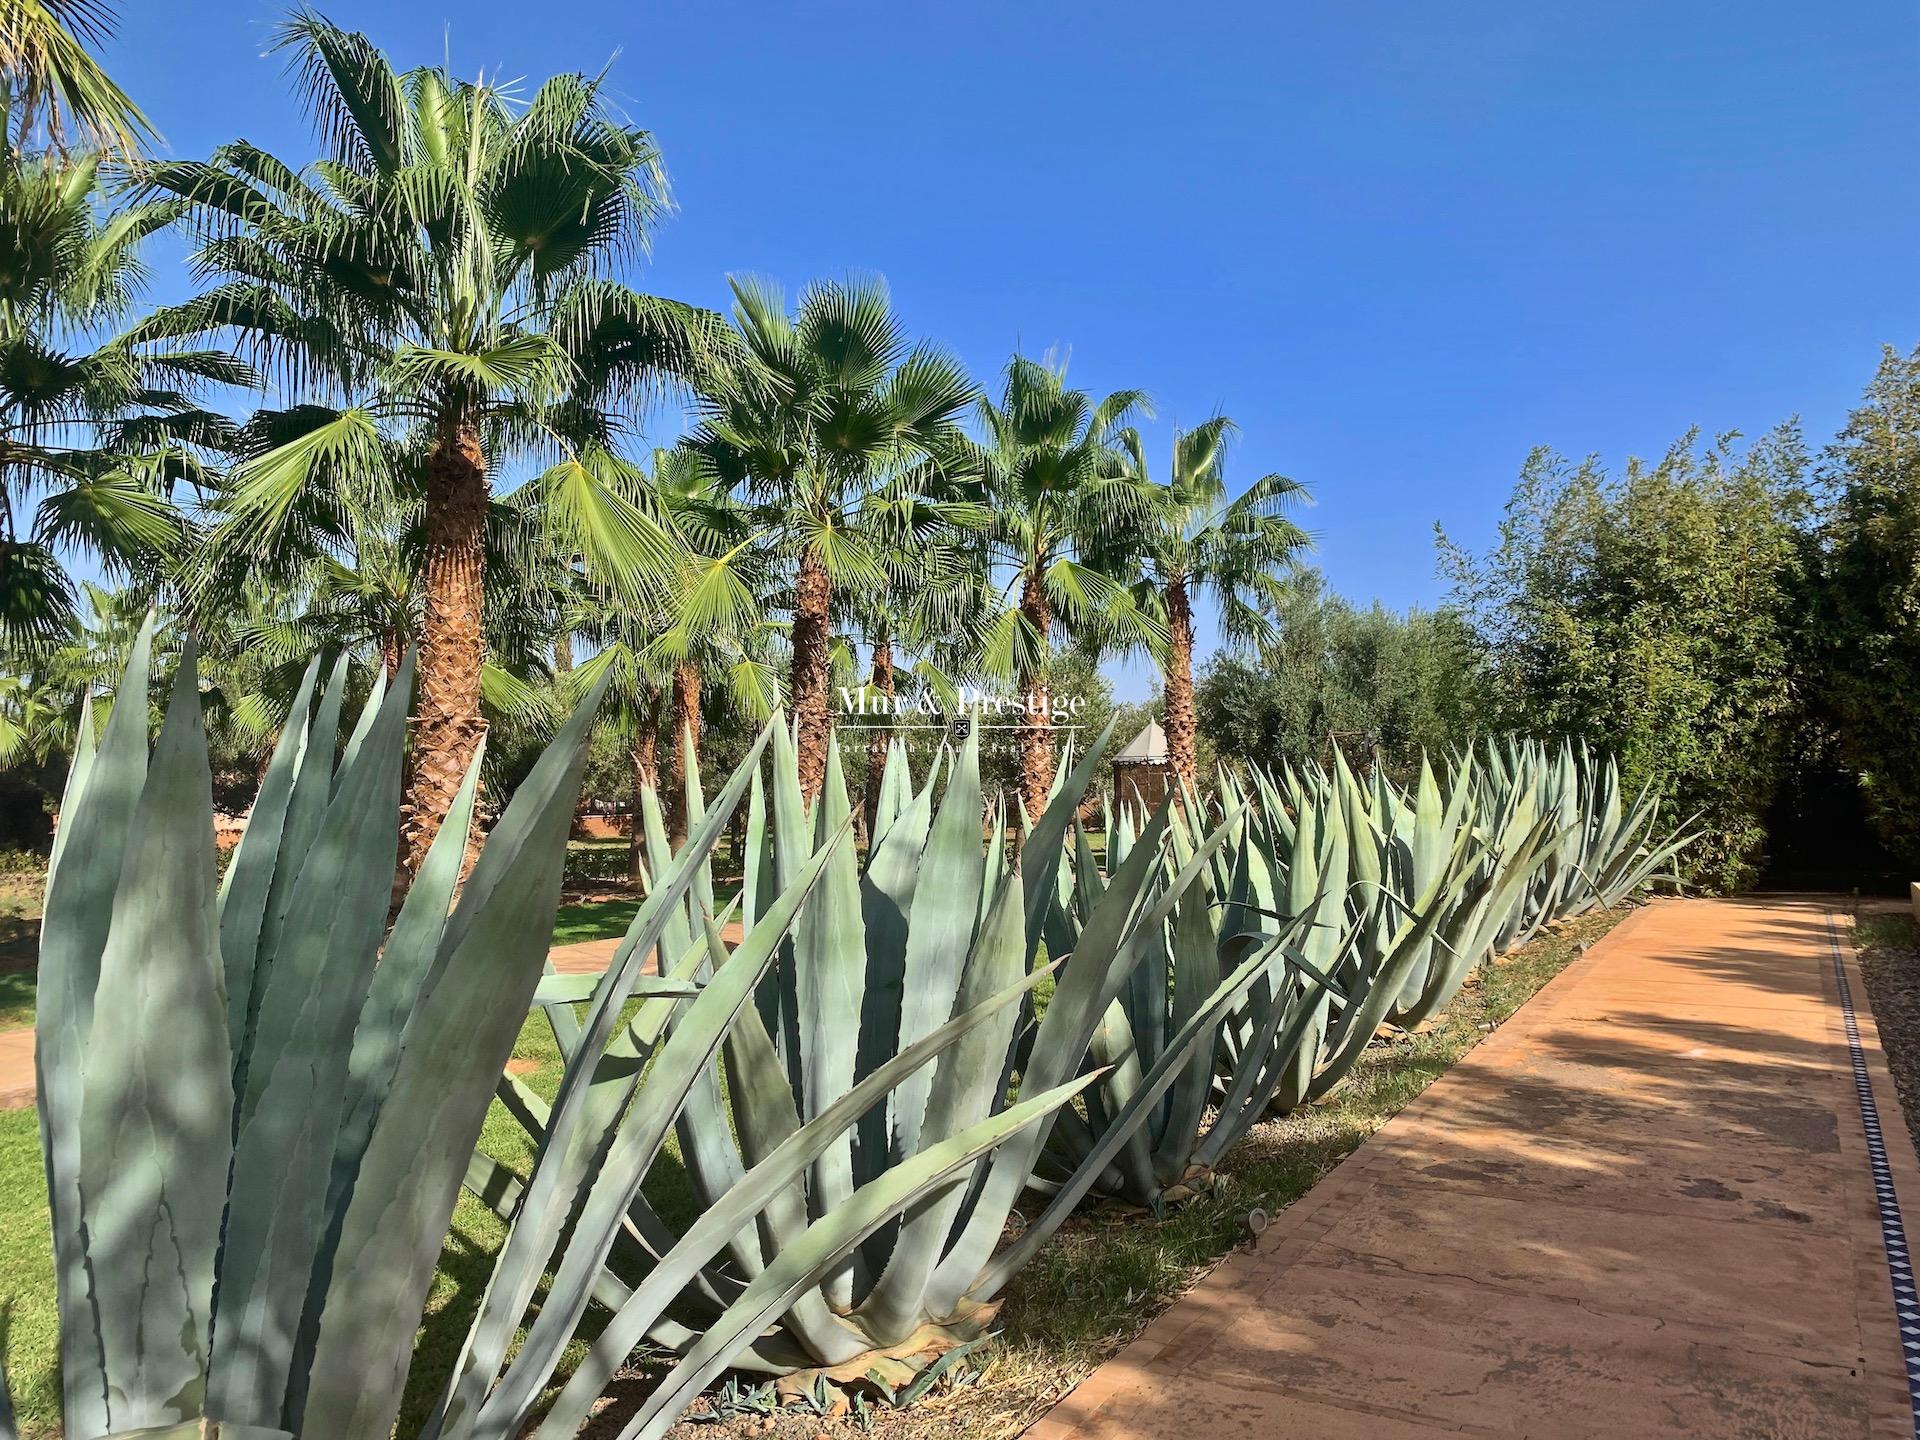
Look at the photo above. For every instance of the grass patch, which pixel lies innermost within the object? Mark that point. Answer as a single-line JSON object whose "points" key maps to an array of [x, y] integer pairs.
{"points": [[17, 989], [594, 920], [608, 918], [26, 1274]]}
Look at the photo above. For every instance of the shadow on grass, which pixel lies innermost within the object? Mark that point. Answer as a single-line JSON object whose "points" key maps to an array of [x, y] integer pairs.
{"points": [[17, 991]]}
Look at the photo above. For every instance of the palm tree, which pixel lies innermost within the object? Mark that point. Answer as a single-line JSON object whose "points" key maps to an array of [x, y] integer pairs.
{"points": [[1199, 542], [668, 654], [1059, 497], [918, 625], [40, 697], [443, 277], [96, 427], [345, 576], [827, 426], [714, 626], [53, 84], [626, 645]]}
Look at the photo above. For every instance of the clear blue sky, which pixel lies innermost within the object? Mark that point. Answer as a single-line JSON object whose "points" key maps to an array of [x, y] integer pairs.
{"points": [[1400, 242]]}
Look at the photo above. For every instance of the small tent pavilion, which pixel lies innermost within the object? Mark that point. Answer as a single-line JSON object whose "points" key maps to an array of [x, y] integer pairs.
{"points": [[1143, 771]]}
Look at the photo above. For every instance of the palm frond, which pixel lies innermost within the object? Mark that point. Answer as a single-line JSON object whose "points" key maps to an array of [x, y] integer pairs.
{"points": [[43, 50]]}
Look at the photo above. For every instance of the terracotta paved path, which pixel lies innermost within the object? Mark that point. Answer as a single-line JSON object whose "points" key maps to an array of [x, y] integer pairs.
{"points": [[1641, 1208], [16, 1068]]}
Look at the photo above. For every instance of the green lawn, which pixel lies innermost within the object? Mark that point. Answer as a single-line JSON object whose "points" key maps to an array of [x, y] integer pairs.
{"points": [[26, 1272], [594, 920], [17, 988], [608, 919]]}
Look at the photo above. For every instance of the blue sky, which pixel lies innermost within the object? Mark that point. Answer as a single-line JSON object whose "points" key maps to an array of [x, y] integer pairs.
{"points": [[1400, 242]]}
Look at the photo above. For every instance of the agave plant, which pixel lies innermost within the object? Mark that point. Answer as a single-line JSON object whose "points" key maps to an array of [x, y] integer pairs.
{"points": [[1203, 941], [250, 1200], [936, 933], [582, 1213], [1307, 886], [1517, 844], [1605, 850], [249, 1197]]}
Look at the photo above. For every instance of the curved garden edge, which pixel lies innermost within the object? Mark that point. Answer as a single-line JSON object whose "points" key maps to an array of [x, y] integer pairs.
{"points": [[1106, 1275]]}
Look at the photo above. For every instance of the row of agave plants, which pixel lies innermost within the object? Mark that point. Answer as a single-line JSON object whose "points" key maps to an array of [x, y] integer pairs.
{"points": [[260, 1099]]}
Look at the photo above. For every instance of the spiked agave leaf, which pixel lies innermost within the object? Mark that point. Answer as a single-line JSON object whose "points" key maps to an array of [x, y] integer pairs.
{"points": [[256, 1238], [1143, 1125], [103, 790]]}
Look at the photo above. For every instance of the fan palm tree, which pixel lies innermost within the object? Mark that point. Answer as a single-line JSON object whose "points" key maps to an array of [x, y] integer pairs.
{"points": [[647, 677], [96, 427], [917, 627], [1059, 495], [40, 699], [706, 634], [714, 627], [443, 277], [53, 86], [828, 427], [1196, 541]]}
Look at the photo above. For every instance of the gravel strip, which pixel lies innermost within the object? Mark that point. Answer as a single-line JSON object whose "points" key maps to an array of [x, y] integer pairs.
{"points": [[1889, 945]]}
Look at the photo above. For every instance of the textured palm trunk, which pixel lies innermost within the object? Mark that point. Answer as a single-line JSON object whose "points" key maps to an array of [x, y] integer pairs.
{"points": [[1182, 747], [646, 776], [1036, 725], [882, 731], [812, 670], [685, 714], [447, 724], [563, 653], [393, 649]]}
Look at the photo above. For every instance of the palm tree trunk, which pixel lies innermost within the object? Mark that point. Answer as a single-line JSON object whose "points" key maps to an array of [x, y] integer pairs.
{"points": [[686, 746], [453, 646], [646, 776], [1036, 725], [812, 669], [882, 733], [1181, 727], [563, 653]]}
